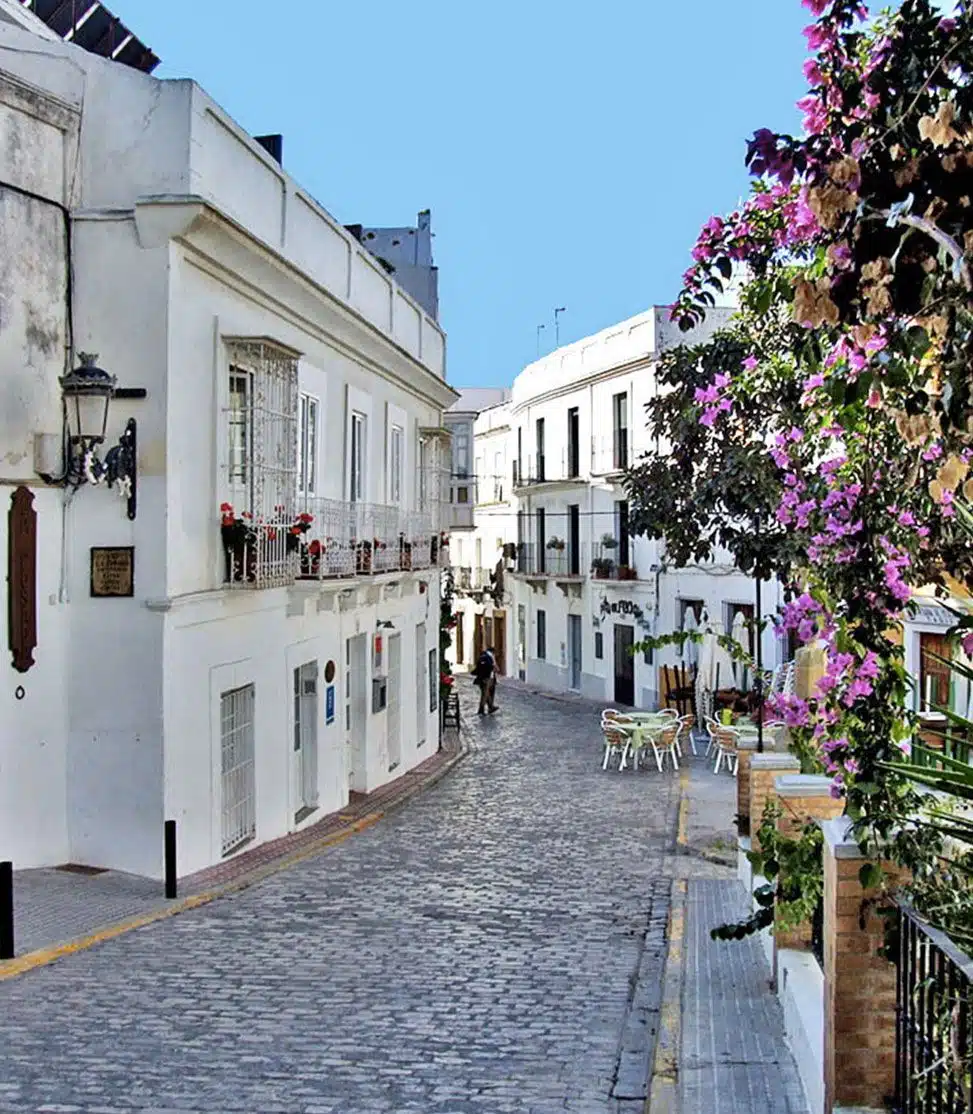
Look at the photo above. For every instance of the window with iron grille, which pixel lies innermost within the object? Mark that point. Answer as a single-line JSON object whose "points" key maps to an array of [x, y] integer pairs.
{"points": [[262, 422], [396, 441], [542, 635], [237, 784]]}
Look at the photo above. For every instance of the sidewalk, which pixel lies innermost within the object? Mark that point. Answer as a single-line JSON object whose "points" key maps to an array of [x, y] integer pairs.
{"points": [[722, 1047], [63, 908]]}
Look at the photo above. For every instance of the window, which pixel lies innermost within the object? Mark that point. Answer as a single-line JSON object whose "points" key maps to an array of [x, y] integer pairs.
{"points": [[498, 478], [521, 547], [620, 429], [260, 432], [433, 680], [423, 476], [519, 462], [685, 605], [462, 495], [574, 539], [599, 645], [648, 655], [240, 422], [621, 531], [461, 451], [574, 443], [541, 538], [307, 446], [542, 635], [356, 463], [238, 790], [540, 449], [396, 442]]}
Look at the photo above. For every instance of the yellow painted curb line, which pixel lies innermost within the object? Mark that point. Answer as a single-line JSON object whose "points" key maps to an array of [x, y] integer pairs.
{"points": [[683, 821], [664, 1082], [11, 968]]}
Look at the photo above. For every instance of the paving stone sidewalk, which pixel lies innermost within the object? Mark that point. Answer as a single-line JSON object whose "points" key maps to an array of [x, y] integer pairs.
{"points": [[733, 1056], [59, 905]]}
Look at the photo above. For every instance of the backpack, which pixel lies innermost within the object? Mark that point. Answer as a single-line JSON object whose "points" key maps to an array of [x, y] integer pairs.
{"points": [[484, 666]]}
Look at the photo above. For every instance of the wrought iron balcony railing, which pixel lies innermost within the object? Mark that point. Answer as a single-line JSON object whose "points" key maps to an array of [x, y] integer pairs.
{"points": [[327, 539]]}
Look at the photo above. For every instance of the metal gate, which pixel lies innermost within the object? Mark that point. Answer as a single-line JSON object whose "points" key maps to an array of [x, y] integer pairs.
{"points": [[395, 702], [238, 791]]}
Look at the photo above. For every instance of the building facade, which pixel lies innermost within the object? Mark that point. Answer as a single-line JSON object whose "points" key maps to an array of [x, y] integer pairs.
{"points": [[459, 419], [255, 634], [579, 591]]}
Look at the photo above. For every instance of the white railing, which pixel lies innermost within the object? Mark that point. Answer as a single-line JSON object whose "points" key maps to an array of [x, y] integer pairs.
{"points": [[324, 540]]}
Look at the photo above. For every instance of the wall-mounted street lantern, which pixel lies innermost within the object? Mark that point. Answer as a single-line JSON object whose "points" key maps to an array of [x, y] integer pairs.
{"points": [[87, 394]]}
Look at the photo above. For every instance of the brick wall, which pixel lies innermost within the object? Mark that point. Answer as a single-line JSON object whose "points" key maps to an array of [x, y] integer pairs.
{"points": [[802, 797], [764, 770], [859, 985]]}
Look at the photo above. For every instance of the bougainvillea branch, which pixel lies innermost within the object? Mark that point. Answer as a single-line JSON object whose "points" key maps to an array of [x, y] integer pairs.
{"points": [[838, 403]]}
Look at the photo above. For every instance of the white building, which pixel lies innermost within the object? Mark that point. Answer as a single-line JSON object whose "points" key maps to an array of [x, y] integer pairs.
{"points": [[459, 419], [246, 669], [477, 555], [580, 591]]}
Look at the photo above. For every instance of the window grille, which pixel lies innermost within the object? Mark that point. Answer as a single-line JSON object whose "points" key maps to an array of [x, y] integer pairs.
{"points": [[262, 463], [239, 823]]}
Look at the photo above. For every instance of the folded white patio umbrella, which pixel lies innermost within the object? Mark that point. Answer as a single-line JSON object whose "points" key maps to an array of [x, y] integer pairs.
{"points": [[690, 649], [740, 633]]}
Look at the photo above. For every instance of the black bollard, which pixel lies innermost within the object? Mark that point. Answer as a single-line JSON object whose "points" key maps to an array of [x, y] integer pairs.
{"points": [[6, 910], [171, 886]]}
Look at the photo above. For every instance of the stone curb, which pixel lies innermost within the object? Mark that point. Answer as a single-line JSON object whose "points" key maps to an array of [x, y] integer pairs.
{"points": [[664, 1081], [42, 957]]}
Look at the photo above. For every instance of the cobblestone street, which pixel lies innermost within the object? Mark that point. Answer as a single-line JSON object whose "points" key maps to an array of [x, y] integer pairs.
{"points": [[495, 946]]}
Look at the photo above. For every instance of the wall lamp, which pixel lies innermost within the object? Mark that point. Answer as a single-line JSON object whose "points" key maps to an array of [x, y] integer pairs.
{"points": [[87, 393]]}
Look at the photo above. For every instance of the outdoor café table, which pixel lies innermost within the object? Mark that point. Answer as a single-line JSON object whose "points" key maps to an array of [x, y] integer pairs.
{"points": [[640, 736]]}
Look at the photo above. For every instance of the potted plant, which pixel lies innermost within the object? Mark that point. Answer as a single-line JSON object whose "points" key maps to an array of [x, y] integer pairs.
{"points": [[602, 567], [556, 544], [363, 557], [510, 551], [311, 555], [626, 572], [405, 553], [609, 541], [239, 544]]}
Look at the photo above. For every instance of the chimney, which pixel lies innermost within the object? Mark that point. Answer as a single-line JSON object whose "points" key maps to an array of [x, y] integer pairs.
{"points": [[273, 145]]}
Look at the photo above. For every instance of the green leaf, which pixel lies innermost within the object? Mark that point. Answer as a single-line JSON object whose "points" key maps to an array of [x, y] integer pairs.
{"points": [[870, 876]]}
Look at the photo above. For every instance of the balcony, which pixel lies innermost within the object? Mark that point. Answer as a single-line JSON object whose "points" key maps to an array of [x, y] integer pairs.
{"points": [[458, 516], [546, 471], [326, 539], [552, 563], [472, 580], [607, 563]]}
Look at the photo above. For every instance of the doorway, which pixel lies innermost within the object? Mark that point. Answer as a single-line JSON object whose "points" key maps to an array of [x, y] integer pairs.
{"points": [[356, 712], [460, 639], [305, 766], [394, 718], [624, 665], [574, 652]]}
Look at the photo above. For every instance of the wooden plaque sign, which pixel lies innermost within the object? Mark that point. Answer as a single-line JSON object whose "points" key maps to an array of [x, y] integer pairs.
{"points": [[112, 570], [22, 579]]}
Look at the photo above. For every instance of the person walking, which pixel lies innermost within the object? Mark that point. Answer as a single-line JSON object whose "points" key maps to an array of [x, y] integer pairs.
{"points": [[486, 677]]}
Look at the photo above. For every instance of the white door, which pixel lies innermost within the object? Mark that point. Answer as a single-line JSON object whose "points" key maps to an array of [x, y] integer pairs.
{"points": [[305, 739], [422, 685], [394, 718], [356, 712]]}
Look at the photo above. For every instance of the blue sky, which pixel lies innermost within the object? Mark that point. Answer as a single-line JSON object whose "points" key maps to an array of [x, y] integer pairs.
{"points": [[569, 152]]}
